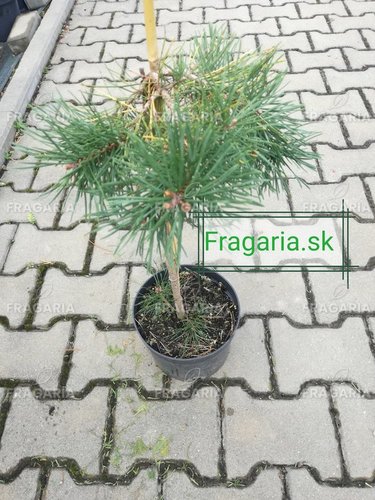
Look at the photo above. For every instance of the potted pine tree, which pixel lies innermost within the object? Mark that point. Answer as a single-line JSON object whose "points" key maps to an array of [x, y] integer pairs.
{"points": [[207, 129]]}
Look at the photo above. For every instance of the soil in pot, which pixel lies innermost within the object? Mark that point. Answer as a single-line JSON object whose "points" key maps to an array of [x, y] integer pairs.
{"points": [[210, 322]]}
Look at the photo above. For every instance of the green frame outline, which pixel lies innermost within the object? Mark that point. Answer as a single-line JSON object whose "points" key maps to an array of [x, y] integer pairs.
{"points": [[345, 215]]}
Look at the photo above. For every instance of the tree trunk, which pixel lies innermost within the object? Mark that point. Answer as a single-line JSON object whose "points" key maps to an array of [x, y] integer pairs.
{"points": [[152, 44], [174, 278]]}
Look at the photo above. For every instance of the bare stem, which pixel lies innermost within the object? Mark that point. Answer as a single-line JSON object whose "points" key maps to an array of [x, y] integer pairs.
{"points": [[174, 278]]}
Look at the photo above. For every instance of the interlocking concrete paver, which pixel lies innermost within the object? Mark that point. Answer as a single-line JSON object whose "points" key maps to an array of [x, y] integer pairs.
{"points": [[334, 298], [314, 9], [349, 102], [61, 486], [350, 38], [340, 81], [316, 23], [82, 295], [302, 485], [73, 92], [267, 486], [328, 197], [362, 252], [341, 353], [301, 61], [360, 131], [256, 430], [327, 130], [338, 163], [34, 355], [111, 354], [259, 12], [360, 59], [54, 428], [24, 486], [15, 296], [32, 246], [168, 430], [26, 207], [357, 430], [19, 174]]}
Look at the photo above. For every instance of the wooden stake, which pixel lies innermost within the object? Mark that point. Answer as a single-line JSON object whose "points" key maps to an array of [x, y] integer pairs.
{"points": [[152, 44]]}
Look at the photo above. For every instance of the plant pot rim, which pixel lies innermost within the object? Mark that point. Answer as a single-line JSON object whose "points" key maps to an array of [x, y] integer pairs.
{"points": [[204, 271]]}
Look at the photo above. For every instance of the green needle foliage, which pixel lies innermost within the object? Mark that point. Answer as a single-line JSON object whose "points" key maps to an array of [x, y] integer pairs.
{"points": [[211, 129]]}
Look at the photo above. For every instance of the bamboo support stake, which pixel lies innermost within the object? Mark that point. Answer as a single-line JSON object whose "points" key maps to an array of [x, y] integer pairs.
{"points": [[152, 44]]}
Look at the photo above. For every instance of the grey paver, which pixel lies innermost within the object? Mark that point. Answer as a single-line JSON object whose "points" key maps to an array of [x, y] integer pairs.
{"points": [[327, 130], [34, 355], [340, 81], [22, 32], [337, 163], [316, 23], [110, 354], [328, 197], [256, 430], [241, 13], [301, 61], [350, 38], [303, 485], [267, 486], [89, 53], [168, 430], [311, 80], [333, 297], [340, 24], [260, 12], [267, 26], [96, 296], [19, 174], [360, 245], [60, 486], [357, 430], [54, 428], [332, 7], [333, 104], [15, 296], [360, 131], [360, 59], [34, 246], [341, 353], [358, 8], [7, 232], [26, 207], [296, 41], [24, 486]]}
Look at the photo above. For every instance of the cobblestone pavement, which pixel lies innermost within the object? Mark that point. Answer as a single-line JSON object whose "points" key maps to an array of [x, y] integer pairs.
{"points": [[85, 414]]}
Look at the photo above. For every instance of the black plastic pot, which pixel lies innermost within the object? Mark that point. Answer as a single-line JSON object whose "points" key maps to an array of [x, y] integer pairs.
{"points": [[192, 368], [9, 10]]}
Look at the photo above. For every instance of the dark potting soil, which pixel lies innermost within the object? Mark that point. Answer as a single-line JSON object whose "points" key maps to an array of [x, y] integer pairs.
{"points": [[211, 317]]}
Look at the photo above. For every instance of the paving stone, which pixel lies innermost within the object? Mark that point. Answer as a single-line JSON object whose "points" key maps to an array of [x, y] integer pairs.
{"points": [[286, 42], [327, 130], [240, 13], [334, 298], [333, 104], [360, 131], [24, 486], [302, 485], [111, 354], [54, 428], [21, 207], [138, 276], [82, 9], [290, 26], [301, 61], [101, 7], [114, 50], [94, 296], [268, 26], [36, 355], [23, 30], [19, 174], [36, 247], [100, 21], [357, 416], [89, 53], [301, 355], [123, 18], [61, 486], [7, 233], [328, 197], [219, 4], [255, 430], [59, 73], [370, 96], [340, 24], [333, 7], [342, 80], [267, 486], [311, 80], [360, 59], [179, 16], [336, 163], [350, 38], [73, 37], [92, 35], [168, 430], [261, 293], [361, 246], [73, 92], [83, 70], [259, 12], [15, 295], [47, 177]]}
